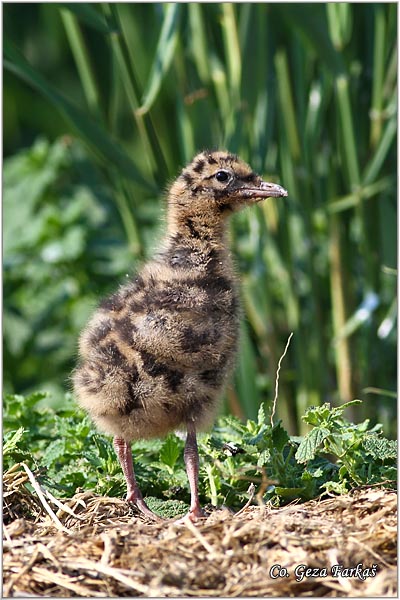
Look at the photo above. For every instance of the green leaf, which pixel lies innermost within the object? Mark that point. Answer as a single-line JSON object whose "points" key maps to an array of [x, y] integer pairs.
{"points": [[11, 441], [262, 415], [16, 448], [315, 415], [170, 451], [263, 458], [336, 487], [289, 493], [54, 452], [311, 444], [380, 448], [280, 437], [168, 509]]}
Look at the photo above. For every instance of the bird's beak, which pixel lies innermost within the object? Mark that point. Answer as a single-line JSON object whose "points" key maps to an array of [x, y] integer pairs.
{"points": [[265, 190]]}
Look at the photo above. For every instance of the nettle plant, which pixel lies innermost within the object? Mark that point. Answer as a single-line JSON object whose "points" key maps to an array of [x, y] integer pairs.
{"points": [[66, 454]]}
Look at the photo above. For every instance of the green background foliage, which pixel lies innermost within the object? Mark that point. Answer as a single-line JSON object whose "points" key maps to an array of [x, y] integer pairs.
{"points": [[104, 103], [72, 455]]}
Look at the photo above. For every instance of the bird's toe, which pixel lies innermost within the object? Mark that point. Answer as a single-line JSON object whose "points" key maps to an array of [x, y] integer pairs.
{"points": [[142, 507], [194, 516]]}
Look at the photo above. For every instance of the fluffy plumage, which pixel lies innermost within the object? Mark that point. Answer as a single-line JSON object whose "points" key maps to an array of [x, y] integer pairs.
{"points": [[156, 354]]}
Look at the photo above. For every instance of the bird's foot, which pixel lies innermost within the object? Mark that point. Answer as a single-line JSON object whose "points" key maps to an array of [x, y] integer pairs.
{"points": [[144, 509], [194, 515]]}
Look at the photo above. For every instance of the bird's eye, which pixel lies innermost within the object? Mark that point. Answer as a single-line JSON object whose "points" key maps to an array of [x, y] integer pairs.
{"points": [[222, 176]]}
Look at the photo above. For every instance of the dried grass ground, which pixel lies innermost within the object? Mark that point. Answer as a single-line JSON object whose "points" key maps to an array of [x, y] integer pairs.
{"points": [[96, 547]]}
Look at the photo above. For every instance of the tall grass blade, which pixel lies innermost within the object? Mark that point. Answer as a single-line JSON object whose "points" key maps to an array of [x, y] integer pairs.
{"points": [[347, 131], [218, 76], [90, 132], [198, 41], [127, 216], [246, 375], [374, 166], [312, 26], [339, 21], [86, 13], [164, 55], [82, 61], [378, 75], [232, 50], [339, 285], [152, 150], [288, 116], [185, 129]]}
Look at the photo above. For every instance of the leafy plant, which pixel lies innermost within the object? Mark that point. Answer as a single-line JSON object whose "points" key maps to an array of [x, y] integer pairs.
{"points": [[363, 455], [67, 454]]}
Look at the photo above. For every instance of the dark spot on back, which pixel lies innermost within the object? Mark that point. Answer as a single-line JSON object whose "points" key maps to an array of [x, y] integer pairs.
{"points": [[230, 158], [199, 166], [138, 281], [180, 256], [117, 301], [168, 406], [187, 177], [115, 358], [192, 340], [91, 376], [132, 400], [195, 406], [100, 332], [211, 160], [214, 264], [169, 298], [87, 380], [156, 369], [113, 303], [193, 231], [137, 306], [125, 330], [212, 377], [196, 190], [213, 284], [174, 378]]}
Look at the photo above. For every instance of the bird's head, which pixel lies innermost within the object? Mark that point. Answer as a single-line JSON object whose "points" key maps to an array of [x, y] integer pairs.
{"points": [[216, 184]]}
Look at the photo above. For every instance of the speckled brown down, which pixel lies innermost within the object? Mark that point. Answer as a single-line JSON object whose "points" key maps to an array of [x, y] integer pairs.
{"points": [[156, 354]]}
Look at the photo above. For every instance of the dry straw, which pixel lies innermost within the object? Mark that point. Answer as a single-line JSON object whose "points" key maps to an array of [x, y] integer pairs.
{"points": [[103, 549]]}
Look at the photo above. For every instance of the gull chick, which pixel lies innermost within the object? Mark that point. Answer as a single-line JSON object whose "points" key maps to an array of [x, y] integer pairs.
{"points": [[157, 354]]}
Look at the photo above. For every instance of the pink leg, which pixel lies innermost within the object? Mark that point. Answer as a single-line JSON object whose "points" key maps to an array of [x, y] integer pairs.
{"points": [[134, 495], [191, 456]]}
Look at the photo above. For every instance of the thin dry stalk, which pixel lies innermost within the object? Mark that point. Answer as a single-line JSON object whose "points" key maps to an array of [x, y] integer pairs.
{"points": [[277, 379]]}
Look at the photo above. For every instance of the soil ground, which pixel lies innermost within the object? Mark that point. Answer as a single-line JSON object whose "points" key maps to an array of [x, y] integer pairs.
{"points": [[97, 547]]}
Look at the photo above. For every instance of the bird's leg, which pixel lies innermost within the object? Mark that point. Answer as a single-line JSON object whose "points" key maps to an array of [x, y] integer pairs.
{"points": [[134, 495], [191, 456]]}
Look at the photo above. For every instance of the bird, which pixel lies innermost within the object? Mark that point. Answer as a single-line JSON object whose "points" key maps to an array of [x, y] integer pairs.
{"points": [[156, 354]]}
